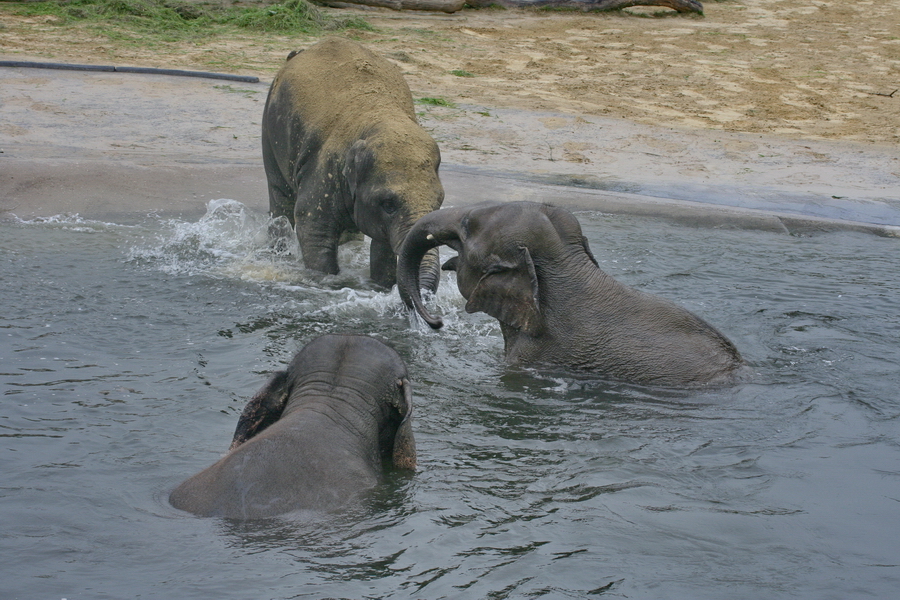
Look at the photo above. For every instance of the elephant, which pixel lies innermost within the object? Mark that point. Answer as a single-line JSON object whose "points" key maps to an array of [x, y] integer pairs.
{"points": [[316, 436], [344, 154], [529, 266]]}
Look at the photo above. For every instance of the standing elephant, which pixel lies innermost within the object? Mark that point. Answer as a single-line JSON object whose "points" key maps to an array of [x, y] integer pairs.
{"points": [[315, 436], [529, 266], [343, 153]]}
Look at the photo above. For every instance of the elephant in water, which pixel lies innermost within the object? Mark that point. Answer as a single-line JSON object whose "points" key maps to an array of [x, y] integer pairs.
{"points": [[529, 266], [344, 154], [314, 437]]}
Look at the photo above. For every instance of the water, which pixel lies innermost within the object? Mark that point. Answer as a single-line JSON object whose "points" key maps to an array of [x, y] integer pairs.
{"points": [[130, 350]]}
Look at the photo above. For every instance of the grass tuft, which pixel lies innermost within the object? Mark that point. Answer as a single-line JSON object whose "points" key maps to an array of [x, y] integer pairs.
{"points": [[436, 102], [292, 16], [170, 17]]}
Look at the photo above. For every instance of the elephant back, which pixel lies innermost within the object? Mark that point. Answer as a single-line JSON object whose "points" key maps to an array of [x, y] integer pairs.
{"points": [[340, 81]]}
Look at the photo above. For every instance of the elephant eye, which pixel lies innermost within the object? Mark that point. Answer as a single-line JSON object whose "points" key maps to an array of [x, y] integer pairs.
{"points": [[390, 205]]}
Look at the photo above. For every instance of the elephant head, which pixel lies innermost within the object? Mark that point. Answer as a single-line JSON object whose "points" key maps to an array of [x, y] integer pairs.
{"points": [[284, 393], [314, 436], [392, 177], [496, 247], [529, 266]]}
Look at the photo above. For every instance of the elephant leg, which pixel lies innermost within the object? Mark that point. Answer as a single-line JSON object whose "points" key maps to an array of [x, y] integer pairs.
{"points": [[382, 264], [281, 202], [281, 197], [319, 248]]}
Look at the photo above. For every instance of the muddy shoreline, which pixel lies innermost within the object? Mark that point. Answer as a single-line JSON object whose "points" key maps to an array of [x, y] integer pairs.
{"points": [[755, 106], [113, 144]]}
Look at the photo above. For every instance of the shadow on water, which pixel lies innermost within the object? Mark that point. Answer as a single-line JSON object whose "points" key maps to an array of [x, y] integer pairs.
{"points": [[131, 350]]}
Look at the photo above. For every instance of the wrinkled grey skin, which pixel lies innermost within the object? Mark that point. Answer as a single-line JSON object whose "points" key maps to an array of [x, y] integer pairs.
{"points": [[529, 266], [316, 436], [344, 154]]}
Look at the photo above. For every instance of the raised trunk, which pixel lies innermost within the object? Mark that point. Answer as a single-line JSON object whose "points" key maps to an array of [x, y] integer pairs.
{"points": [[409, 261], [430, 264], [430, 271], [429, 232]]}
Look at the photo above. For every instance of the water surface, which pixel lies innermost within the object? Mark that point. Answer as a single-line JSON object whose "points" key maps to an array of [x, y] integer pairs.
{"points": [[130, 350]]}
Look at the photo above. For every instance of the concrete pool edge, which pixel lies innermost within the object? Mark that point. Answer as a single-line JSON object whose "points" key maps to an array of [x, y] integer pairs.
{"points": [[96, 189]]}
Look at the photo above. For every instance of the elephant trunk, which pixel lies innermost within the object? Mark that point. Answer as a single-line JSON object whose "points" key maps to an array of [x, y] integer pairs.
{"points": [[430, 270], [429, 232], [430, 264]]}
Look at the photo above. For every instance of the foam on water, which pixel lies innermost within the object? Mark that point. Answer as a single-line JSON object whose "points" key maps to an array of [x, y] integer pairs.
{"points": [[234, 243], [71, 222]]}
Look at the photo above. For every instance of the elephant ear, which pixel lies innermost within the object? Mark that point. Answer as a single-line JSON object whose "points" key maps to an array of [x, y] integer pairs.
{"points": [[359, 161], [569, 229], [404, 452], [263, 409], [509, 293], [587, 250]]}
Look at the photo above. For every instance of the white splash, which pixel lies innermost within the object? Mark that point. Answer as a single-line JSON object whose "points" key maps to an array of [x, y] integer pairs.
{"points": [[228, 241]]}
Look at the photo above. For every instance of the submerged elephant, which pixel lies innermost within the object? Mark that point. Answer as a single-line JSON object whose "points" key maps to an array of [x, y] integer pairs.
{"points": [[314, 437], [343, 153], [529, 266]]}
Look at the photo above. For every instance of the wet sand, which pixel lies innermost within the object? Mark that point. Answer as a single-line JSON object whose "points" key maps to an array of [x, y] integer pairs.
{"points": [[114, 145]]}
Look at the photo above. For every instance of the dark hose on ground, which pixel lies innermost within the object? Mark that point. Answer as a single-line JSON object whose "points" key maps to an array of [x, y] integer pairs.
{"points": [[143, 70]]}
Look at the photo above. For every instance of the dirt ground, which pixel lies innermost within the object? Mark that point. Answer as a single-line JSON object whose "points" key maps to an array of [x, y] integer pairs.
{"points": [[803, 68], [755, 104]]}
